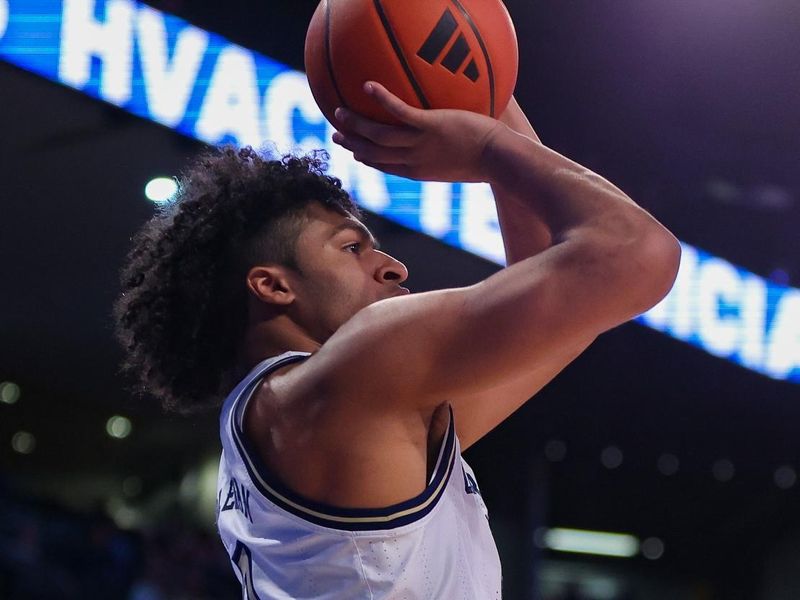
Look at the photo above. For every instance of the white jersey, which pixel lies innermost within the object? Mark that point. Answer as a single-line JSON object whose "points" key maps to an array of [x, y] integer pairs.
{"points": [[435, 546]]}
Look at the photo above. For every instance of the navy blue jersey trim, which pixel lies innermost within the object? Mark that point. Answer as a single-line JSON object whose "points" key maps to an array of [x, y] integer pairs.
{"points": [[350, 519]]}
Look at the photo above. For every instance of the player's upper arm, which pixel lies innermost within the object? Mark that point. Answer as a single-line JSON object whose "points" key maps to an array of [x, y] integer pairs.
{"points": [[424, 349]]}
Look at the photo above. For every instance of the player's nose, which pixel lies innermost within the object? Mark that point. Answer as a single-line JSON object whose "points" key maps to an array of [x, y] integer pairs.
{"points": [[391, 269]]}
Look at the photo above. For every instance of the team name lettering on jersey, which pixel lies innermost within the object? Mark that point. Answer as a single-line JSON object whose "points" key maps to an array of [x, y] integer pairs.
{"points": [[238, 498]]}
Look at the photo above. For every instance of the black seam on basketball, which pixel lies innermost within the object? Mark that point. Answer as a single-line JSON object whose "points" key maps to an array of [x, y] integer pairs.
{"points": [[328, 57], [399, 52], [485, 53]]}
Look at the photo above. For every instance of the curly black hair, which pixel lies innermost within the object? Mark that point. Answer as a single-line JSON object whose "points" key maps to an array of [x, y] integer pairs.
{"points": [[182, 309]]}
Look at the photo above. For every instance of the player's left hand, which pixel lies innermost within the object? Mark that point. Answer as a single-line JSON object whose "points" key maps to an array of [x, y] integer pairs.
{"points": [[430, 145]]}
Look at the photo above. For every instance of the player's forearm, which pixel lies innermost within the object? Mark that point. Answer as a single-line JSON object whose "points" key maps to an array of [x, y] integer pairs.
{"points": [[524, 233], [562, 194], [587, 216]]}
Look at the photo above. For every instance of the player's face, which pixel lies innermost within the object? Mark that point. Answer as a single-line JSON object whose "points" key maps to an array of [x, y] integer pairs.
{"points": [[343, 271]]}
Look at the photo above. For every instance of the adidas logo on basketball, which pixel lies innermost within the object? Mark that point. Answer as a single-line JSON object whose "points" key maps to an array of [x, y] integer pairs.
{"points": [[459, 52]]}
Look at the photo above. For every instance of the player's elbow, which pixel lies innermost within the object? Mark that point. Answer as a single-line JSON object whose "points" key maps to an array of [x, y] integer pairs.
{"points": [[654, 265]]}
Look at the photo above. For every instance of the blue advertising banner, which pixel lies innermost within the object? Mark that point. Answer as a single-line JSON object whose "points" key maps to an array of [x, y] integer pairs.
{"points": [[164, 69]]}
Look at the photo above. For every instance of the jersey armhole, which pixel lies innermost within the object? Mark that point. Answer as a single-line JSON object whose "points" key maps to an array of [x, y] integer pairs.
{"points": [[348, 519]]}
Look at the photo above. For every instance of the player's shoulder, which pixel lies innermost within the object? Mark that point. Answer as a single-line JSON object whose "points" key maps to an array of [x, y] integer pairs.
{"points": [[381, 350], [351, 449]]}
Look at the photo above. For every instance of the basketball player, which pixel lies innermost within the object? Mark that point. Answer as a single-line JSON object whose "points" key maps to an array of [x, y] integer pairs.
{"points": [[351, 400]]}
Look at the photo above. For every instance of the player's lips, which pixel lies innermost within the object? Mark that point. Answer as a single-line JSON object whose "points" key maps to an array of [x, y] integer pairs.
{"points": [[402, 292]]}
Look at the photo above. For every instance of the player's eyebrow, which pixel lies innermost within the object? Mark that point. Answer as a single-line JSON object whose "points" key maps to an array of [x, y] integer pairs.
{"points": [[359, 228]]}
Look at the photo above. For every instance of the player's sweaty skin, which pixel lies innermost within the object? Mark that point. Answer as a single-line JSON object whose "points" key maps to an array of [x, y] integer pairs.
{"points": [[358, 414]]}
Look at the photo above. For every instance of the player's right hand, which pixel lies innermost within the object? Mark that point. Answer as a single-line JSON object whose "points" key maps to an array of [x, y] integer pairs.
{"points": [[429, 145]]}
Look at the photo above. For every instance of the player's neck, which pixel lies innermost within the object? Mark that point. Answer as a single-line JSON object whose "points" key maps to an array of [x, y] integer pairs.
{"points": [[271, 338]]}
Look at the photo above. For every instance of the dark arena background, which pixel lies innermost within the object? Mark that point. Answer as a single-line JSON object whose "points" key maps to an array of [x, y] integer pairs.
{"points": [[661, 464]]}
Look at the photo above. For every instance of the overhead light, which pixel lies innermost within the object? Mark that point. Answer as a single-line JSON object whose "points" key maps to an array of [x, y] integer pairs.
{"points": [[723, 470], [161, 189], [9, 392], [118, 427], [652, 548], [589, 542], [555, 450], [765, 196], [785, 477], [124, 516], [611, 457], [23, 442], [668, 464]]}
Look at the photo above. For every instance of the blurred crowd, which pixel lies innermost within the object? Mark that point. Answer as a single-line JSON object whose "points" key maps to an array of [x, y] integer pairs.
{"points": [[47, 552]]}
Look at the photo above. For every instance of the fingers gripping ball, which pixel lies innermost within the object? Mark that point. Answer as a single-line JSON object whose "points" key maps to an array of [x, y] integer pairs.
{"points": [[431, 53]]}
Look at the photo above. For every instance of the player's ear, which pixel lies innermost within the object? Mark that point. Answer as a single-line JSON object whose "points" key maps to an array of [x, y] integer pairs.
{"points": [[270, 285]]}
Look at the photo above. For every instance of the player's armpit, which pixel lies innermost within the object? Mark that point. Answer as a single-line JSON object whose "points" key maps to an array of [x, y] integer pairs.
{"points": [[478, 413]]}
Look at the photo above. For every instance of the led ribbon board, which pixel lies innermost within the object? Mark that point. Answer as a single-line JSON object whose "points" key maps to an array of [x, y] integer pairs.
{"points": [[162, 68]]}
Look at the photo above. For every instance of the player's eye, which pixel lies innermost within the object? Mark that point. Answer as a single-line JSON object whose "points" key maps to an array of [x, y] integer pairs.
{"points": [[356, 245]]}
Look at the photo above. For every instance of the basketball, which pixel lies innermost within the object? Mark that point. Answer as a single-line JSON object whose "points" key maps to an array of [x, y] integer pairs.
{"points": [[431, 53]]}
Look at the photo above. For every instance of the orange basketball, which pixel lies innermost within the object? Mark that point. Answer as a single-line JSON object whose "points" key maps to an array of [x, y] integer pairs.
{"points": [[431, 53]]}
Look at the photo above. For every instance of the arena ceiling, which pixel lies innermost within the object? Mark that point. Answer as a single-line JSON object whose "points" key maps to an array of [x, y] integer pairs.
{"points": [[699, 124]]}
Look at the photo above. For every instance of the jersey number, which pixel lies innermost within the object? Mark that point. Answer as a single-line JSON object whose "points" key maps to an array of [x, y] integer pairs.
{"points": [[243, 561]]}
